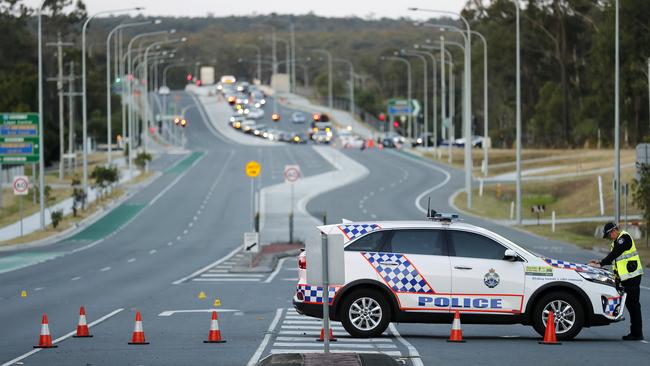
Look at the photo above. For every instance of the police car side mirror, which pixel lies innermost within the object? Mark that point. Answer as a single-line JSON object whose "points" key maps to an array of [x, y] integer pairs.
{"points": [[510, 255]]}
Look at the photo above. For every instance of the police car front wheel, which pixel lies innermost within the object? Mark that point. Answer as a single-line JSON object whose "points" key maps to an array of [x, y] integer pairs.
{"points": [[567, 311], [365, 313]]}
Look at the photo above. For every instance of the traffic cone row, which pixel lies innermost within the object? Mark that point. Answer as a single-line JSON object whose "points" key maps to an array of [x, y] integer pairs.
{"points": [[137, 338]]}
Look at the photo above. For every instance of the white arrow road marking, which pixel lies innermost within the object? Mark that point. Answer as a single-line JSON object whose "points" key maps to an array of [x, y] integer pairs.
{"points": [[172, 312]]}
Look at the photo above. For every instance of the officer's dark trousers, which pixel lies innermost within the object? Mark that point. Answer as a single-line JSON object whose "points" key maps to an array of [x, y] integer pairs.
{"points": [[633, 304]]}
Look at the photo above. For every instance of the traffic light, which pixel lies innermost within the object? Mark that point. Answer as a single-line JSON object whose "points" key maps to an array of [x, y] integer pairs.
{"points": [[275, 117], [395, 124], [316, 117], [382, 117], [198, 82], [188, 77], [183, 122]]}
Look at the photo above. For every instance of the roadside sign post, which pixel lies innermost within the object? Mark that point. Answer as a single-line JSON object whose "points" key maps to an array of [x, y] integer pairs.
{"points": [[21, 188], [326, 292], [291, 175], [253, 169]]}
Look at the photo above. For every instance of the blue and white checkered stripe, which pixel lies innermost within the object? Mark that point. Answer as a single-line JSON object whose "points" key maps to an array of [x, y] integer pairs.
{"points": [[401, 278], [611, 305], [355, 231], [314, 294], [569, 265]]}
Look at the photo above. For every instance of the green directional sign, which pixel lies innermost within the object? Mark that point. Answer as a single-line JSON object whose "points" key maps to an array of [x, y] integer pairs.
{"points": [[19, 138]]}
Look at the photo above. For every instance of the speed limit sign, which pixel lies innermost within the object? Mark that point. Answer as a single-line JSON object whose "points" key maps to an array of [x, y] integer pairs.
{"points": [[291, 173], [21, 185]]}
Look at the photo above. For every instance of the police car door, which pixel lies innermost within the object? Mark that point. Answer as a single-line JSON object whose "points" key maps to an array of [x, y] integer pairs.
{"points": [[481, 280], [417, 269]]}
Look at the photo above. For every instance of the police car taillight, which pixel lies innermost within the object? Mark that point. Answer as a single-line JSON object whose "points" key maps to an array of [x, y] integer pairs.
{"points": [[302, 263]]}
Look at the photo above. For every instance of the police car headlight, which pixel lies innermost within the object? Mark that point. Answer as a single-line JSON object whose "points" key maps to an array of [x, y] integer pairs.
{"points": [[598, 277]]}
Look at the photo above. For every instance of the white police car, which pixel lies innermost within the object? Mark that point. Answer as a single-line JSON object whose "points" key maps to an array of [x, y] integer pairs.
{"points": [[424, 271]]}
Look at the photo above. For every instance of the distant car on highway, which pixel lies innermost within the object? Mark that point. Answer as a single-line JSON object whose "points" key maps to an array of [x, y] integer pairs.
{"points": [[255, 113], [477, 141], [248, 125], [322, 137], [298, 117], [299, 138], [425, 271], [420, 140]]}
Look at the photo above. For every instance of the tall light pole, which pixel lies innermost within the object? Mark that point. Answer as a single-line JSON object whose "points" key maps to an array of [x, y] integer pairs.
{"points": [[84, 107], [434, 98], [518, 119], [41, 147], [617, 123], [425, 91], [408, 85], [288, 58], [108, 82], [329, 78], [468, 100], [351, 82]]}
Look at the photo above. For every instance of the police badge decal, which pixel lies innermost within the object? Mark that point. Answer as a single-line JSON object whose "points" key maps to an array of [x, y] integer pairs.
{"points": [[491, 279]]}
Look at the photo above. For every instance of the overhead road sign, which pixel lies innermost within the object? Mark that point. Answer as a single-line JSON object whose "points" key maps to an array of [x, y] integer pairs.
{"points": [[401, 107], [19, 138]]}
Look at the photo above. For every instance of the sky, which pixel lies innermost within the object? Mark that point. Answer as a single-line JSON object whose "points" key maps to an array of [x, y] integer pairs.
{"points": [[331, 8]]}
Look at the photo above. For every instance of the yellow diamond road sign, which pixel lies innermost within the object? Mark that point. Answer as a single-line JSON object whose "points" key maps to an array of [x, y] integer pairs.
{"points": [[253, 169]]}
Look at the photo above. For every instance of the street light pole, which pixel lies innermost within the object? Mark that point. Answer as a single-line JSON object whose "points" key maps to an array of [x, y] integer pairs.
{"points": [[518, 118], [108, 84], [409, 90], [351, 82], [617, 123], [41, 147], [84, 108], [434, 99], [425, 91]]}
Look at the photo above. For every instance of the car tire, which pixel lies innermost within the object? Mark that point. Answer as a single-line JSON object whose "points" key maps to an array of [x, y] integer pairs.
{"points": [[372, 321], [570, 314]]}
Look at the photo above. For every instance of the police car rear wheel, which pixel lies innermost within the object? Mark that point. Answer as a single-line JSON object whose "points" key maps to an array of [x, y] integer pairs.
{"points": [[365, 313], [567, 311]]}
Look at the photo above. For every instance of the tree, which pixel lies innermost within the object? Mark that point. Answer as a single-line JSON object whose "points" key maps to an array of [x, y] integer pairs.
{"points": [[104, 177], [641, 192]]}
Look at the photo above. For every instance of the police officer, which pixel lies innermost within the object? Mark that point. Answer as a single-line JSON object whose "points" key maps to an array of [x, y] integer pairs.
{"points": [[626, 264]]}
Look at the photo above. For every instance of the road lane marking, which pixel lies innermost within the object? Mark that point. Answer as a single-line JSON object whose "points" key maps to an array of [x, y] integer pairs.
{"points": [[105, 269], [178, 238], [62, 338], [131, 260], [185, 232], [170, 244], [39, 288], [200, 279], [276, 271], [243, 275], [152, 251], [172, 312], [265, 341], [645, 288], [414, 356], [213, 264], [75, 278]]}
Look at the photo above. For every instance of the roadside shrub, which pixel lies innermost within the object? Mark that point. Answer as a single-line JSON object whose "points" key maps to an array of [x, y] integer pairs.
{"points": [[57, 217]]}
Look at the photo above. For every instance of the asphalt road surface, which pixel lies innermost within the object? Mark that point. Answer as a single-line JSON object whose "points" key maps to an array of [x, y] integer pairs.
{"points": [[145, 255]]}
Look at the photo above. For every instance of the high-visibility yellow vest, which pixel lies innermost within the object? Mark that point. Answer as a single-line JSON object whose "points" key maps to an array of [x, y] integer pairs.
{"points": [[620, 264]]}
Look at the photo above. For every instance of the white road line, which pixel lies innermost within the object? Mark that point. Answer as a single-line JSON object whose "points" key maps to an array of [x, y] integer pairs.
{"points": [[413, 353], [195, 218], [290, 279], [201, 279], [333, 345], [190, 225], [350, 340], [75, 278], [242, 275], [373, 216], [105, 269], [172, 312], [185, 232], [645, 288], [276, 351], [131, 260], [90, 325], [170, 244], [267, 337], [276, 271], [309, 327], [153, 251], [213, 264], [218, 271], [39, 288]]}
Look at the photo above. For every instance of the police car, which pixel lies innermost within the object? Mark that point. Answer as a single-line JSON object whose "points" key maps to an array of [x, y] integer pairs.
{"points": [[425, 271]]}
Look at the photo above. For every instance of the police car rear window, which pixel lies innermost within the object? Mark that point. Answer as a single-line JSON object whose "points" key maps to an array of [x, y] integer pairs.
{"points": [[472, 245], [418, 241], [368, 243]]}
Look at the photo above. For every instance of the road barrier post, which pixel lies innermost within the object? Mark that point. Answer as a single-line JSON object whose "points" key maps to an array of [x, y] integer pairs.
{"points": [[600, 195], [553, 221], [326, 297]]}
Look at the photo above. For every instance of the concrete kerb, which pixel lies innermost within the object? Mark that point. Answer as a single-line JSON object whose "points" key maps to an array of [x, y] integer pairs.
{"points": [[83, 224], [267, 263], [316, 358]]}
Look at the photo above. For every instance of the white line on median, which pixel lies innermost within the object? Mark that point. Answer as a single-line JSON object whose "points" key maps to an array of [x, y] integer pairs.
{"points": [[267, 337], [413, 353], [213, 264], [276, 271], [105, 269], [172, 312], [90, 325]]}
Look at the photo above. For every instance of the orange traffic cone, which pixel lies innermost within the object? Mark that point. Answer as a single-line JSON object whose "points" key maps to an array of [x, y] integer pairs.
{"points": [[138, 332], [456, 332], [45, 339], [214, 336], [322, 335], [549, 334], [82, 327]]}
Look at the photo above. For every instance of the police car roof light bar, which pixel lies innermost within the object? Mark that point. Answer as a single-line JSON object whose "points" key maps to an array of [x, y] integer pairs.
{"points": [[445, 217]]}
